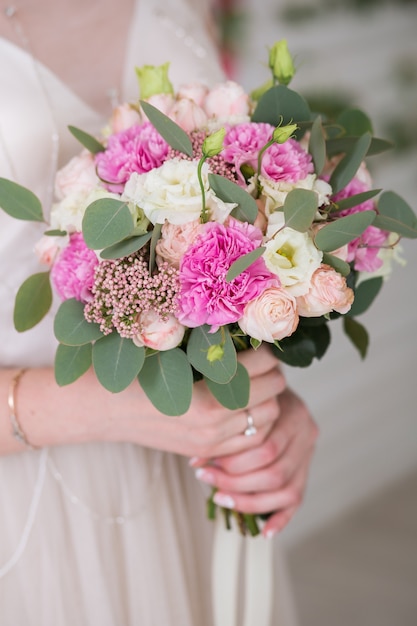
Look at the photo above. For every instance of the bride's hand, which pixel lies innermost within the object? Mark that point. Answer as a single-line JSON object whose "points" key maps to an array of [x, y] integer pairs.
{"points": [[271, 476]]}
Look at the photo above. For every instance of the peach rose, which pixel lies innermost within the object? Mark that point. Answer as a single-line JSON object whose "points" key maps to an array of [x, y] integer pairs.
{"points": [[227, 100], [48, 248], [162, 101], [193, 91], [175, 240], [157, 333], [187, 114], [328, 292], [78, 176], [124, 116], [271, 316]]}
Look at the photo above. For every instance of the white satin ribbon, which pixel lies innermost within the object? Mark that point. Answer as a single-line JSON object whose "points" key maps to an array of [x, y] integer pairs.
{"points": [[231, 551]]}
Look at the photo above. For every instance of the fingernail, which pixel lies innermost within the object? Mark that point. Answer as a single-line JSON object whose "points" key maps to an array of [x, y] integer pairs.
{"points": [[195, 460], [223, 500], [205, 476], [270, 533]]}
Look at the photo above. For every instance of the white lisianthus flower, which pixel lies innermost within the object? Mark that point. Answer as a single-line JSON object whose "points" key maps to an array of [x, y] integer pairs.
{"points": [[275, 192], [172, 192], [391, 252], [68, 214], [291, 255]]}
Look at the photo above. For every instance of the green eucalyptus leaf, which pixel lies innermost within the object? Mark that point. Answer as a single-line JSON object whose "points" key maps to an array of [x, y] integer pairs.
{"points": [[395, 215], [86, 140], [281, 106], [234, 394], [71, 362], [126, 247], [243, 262], [70, 326], [55, 233], [106, 222], [228, 191], [19, 202], [365, 294], [343, 230], [340, 266], [317, 146], [156, 234], [167, 380], [355, 122], [346, 169], [117, 361], [357, 334], [199, 343], [33, 301], [347, 203], [304, 345], [300, 207], [175, 136], [339, 145]]}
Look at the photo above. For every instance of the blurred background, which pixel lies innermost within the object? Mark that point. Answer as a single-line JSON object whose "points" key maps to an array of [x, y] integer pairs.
{"points": [[352, 547]]}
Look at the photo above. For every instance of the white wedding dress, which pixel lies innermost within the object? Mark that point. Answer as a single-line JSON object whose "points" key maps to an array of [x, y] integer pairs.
{"points": [[97, 534]]}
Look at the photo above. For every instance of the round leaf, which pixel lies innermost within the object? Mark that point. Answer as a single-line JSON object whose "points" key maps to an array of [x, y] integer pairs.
{"points": [[343, 230], [357, 334], [33, 301], [365, 294], [106, 222], [300, 207], [281, 105], [125, 247], [71, 362], [346, 169], [234, 394], [173, 134], [167, 380], [317, 146], [220, 371], [86, 140], [228, 191], [70, 326], [19, 202], [117, 361], [307, 343], [355, 122]]}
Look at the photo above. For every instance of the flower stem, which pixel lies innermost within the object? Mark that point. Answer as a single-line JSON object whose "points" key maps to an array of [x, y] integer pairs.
{"points": [[204, 216]]}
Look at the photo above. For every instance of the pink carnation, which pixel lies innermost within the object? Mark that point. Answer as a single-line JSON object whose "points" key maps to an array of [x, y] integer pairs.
{"points": [[363, 250], [73, 272], [287, 162], [243, 142], [205, 296], [139, 148]]}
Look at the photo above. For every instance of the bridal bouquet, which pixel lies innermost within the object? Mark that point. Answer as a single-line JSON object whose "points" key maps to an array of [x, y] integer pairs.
{"points": [[207, 221]]}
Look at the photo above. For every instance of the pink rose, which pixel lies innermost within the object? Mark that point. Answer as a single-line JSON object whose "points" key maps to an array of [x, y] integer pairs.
{"points": [[77, 176], [124, 116], [271, 316], [158, 333], [226, 100], [193, 91], [47, 249], [206, 297], [175, 241], [328, 292], [161, 101], [188, 115]]}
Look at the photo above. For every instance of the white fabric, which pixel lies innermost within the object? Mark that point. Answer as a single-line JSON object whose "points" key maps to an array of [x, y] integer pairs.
{"points": [[67, 559]]}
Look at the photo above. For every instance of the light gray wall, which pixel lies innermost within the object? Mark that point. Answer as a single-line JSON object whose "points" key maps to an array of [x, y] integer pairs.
{"points": [[366, 410]]}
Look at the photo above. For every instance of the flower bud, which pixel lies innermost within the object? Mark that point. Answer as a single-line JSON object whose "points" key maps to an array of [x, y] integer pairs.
{"points": [[280, 62], [213, 144], [215, 353], [153, 79], [282, 133]]}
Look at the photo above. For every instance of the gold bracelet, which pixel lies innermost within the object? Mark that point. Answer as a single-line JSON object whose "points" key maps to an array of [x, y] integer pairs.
{"points": [[18, 433]]}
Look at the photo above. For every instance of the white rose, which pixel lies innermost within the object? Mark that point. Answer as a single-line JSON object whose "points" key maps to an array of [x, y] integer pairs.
{"points": [[291, 255], [172, 192], [157, 333]]}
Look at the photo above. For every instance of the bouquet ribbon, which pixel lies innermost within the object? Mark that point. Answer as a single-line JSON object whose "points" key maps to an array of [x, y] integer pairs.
{"points": [[229, 549]]}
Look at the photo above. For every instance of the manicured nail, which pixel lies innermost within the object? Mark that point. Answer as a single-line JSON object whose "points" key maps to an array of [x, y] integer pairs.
{"points": [[205, 476], [195, 460], [223, 500], [270, 533]]}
